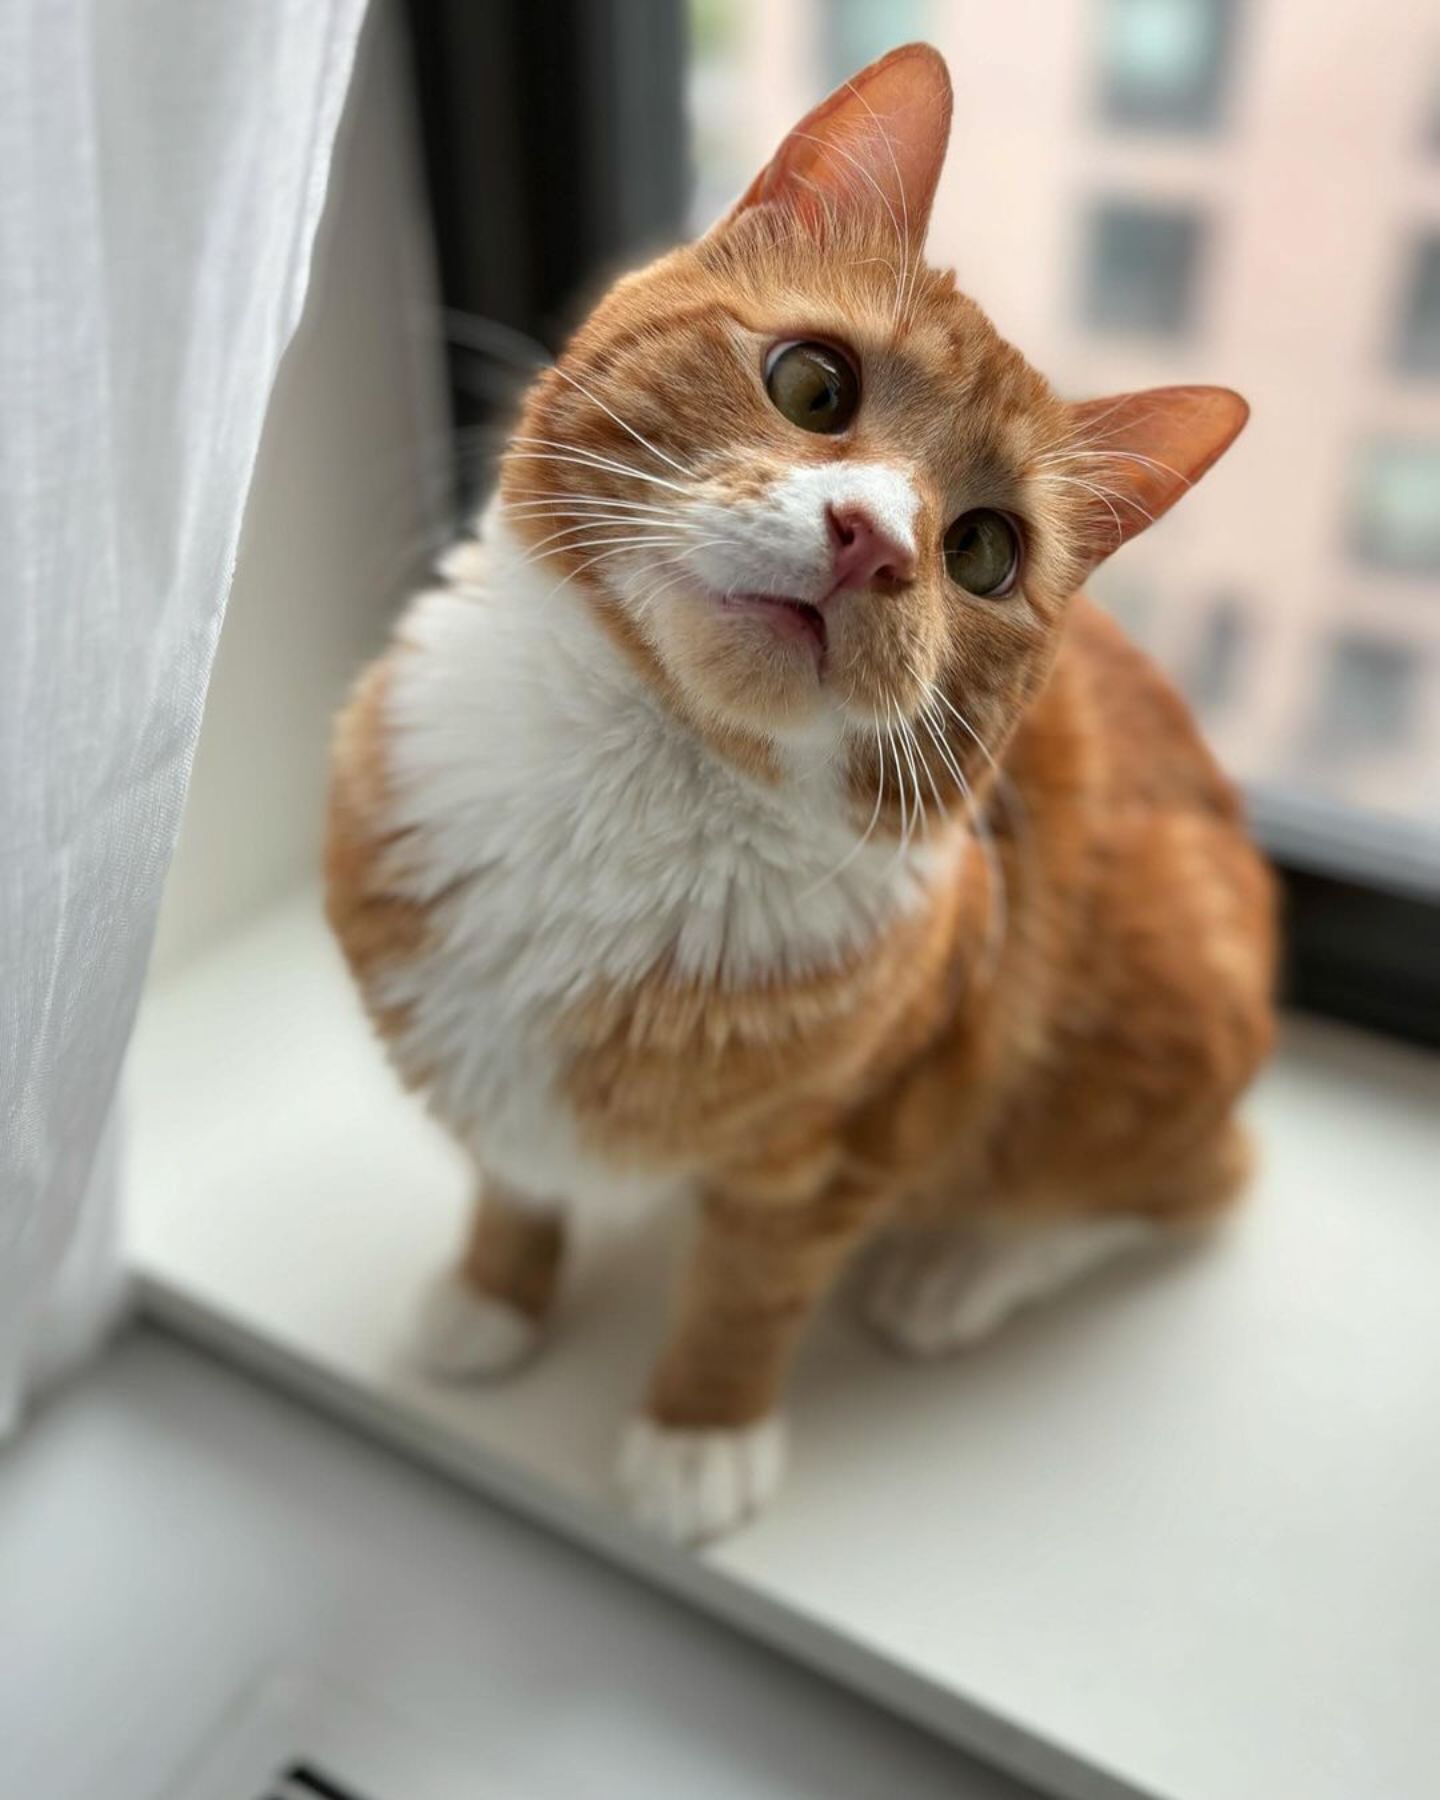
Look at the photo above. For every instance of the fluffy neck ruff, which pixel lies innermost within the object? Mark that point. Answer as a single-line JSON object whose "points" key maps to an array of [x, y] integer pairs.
{"points": [[545, 786]]}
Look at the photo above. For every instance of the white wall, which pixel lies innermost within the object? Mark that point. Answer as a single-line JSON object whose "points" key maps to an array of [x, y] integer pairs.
{"points": [[345, 500]]}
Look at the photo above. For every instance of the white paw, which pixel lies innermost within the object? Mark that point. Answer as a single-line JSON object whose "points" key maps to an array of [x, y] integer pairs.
{"points": [[929, 1294], [926, 1296], [459, 1331], [690, 1485]]}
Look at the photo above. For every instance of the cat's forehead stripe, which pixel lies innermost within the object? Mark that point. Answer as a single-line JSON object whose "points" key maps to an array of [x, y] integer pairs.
{"points": [[620, 341]]}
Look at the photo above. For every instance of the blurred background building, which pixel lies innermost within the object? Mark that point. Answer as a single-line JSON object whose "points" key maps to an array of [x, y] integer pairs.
{"points": [[1238, 191]]}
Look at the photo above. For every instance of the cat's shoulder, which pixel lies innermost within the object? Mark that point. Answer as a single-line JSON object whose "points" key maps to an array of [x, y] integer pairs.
{"points": [[1110, 704]]}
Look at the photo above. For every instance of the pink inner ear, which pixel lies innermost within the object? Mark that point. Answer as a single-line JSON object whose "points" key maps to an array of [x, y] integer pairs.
{"points": [[1145, 450], [877, 144]]}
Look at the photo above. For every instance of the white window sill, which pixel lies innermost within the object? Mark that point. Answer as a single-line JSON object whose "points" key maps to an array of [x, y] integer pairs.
{"points": [[1174, 1534]]}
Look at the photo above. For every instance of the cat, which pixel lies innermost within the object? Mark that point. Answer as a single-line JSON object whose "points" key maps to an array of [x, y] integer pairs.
{"points": [[758, 814]]}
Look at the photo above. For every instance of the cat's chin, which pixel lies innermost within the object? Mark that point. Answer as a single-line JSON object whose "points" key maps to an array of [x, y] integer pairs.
{"points": [[757, 661], [791, 620], [780, 668]]}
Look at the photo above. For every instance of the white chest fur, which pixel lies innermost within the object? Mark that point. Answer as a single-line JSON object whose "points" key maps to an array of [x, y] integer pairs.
{"points": [[567, 828]]}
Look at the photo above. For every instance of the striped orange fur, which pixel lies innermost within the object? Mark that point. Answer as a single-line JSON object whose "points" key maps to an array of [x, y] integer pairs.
{"points": [[884, 916]]}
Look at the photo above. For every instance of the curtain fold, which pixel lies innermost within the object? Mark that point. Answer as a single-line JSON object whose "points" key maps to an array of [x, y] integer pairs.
{"points": [[162, 169]]}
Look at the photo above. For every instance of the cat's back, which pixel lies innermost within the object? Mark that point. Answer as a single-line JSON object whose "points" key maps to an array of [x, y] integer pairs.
{"points": [[1164, 939], [1143, 747]]}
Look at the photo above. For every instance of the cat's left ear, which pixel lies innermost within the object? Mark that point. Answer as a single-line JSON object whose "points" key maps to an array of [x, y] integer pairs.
{"points": [[1137, 454], [876, 145]]}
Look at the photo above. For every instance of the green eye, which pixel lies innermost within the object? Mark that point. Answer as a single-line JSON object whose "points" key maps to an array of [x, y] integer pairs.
{"points": [[814, 386], [982, 552]]}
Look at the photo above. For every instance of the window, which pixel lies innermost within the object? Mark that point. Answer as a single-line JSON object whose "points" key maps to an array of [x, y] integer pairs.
{"points": [[1368, 700], [1417, 349], [1141, 269], [1164, 62], [1396, 520], [855, 32], [718, 78]]}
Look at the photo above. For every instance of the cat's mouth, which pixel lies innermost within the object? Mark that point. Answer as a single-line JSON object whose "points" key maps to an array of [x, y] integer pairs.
{"points": [[794, 619]]}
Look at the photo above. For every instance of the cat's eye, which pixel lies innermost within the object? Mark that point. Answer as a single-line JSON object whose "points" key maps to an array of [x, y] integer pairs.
{"points": [[982, 553], [815, 386]]}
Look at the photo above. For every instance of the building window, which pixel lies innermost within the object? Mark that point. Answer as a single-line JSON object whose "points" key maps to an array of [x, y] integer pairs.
{"points": [[1211, 672], [1396, 517], [1141, 268], [1163, 63], [1417, 349], [1368, 702], [854, 32]]}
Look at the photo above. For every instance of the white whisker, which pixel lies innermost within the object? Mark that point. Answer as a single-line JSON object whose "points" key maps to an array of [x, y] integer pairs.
{"points": [[612, 546], [587, 460], [859, 167], [904, 236], [1106, 500], [587, 503], [900, 792], [911, 745], [938, 693], [994, 868], [610, 412], [492, 338], [925, 765], [645, 600], [602, 522]]}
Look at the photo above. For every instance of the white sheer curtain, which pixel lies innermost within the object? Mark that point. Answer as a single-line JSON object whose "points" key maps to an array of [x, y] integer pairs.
{"points": [[162, 167]]}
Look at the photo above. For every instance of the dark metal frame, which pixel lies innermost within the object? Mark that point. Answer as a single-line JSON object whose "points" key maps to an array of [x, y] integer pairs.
{"points": [[1362, 953], [555, 149]]}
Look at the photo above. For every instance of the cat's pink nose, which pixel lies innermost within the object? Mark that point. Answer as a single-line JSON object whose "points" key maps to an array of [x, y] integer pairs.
{"points": [[861, 552]]}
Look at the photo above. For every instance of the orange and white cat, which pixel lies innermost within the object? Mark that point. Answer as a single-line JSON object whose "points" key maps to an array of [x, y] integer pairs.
{"points": [[757, 813]]}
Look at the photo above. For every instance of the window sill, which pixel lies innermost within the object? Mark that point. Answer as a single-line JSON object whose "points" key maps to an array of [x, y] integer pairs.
{"points": [[1131, 1546]]}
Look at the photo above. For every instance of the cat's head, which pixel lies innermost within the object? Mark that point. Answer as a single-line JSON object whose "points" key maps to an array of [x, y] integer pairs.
{"points": [[803, 477]]}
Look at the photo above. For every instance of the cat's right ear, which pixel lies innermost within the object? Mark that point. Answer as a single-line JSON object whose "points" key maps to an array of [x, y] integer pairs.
{"points": [[876, 145]]}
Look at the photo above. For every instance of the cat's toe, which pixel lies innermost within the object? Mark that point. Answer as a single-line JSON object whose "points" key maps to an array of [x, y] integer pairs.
{"points": [[461, 1332], [692, 1484], [919, 1295]]}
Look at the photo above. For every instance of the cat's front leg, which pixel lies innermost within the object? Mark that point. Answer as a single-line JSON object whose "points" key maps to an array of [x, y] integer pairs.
{"points": [[486, 1315], [708, 1448]]}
